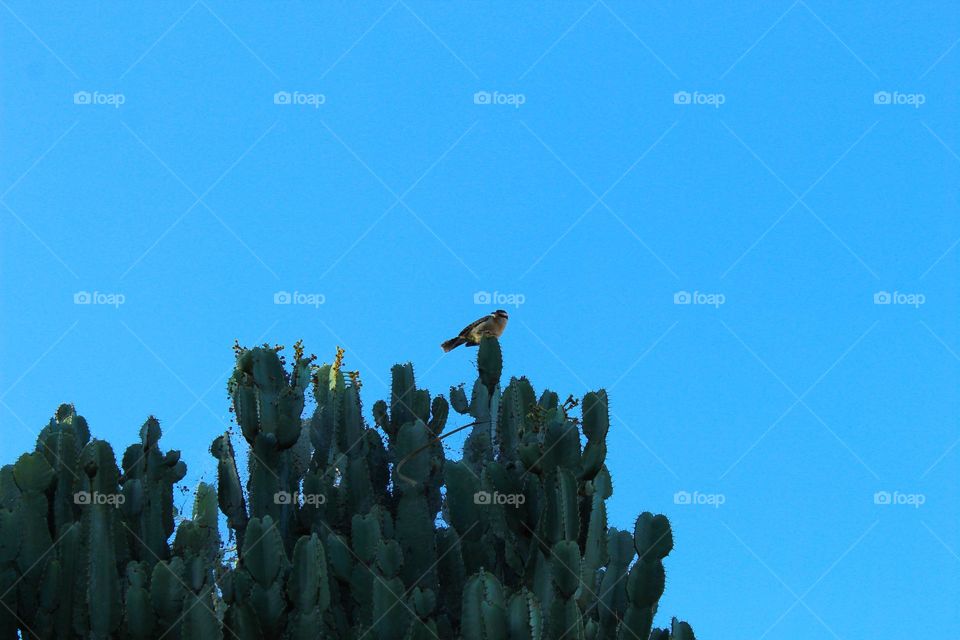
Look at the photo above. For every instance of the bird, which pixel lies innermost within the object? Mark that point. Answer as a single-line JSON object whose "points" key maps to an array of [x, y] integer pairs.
{"points": [[489, 325]]}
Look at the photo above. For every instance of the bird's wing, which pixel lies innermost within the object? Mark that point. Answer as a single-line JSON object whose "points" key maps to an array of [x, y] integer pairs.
{"points": [[467, 329]]}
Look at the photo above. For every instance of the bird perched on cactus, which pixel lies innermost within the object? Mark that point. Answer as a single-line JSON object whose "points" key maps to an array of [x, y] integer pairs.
{"points": [[489, 325]]}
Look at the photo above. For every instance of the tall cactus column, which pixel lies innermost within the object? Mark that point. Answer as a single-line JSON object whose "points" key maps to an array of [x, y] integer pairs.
{"points": [[148, 479], [653, 541], [268, 404], [102, 534]]}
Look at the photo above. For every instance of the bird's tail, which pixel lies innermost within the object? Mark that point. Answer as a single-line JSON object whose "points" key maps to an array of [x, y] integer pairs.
{"points": [[452, 343]]}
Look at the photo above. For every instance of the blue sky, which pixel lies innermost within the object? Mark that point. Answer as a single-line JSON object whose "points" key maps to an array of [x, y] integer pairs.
{"points": [[780, 162]]}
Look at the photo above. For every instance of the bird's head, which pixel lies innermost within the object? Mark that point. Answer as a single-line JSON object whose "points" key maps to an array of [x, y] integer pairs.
{"points": [[500, 313]]}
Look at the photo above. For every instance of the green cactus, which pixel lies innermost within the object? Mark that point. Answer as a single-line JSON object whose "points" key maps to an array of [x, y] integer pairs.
{"points": [[9, 622], [390, 614], [524, 617], [596, 423], [612, 593], [266, 399], [268, 403], [148, 479], [484, 609], [168, 591], [653, 540], [308, 588], [139, 618], [594, 538], [60, 442], [458, 399], [342, 529], [680, 630], [229, 492], [515, 407], [565, 618], [198, 541], [422, 604], [490, 363], [259, 580]]}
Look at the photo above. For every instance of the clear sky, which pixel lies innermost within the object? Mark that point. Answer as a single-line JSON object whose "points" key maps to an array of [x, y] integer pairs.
{"points": [[780, 162]]}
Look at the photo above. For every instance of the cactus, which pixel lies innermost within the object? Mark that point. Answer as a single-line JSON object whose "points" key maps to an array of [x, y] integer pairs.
{"points": [[60, 442], [308, 588], [390, 614], [653, 540], [140, 620], [565, 618], [524, 617], [148, 479], [268, 403], [484, 609], [343, 529], [229, 493], [101, 539]]}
